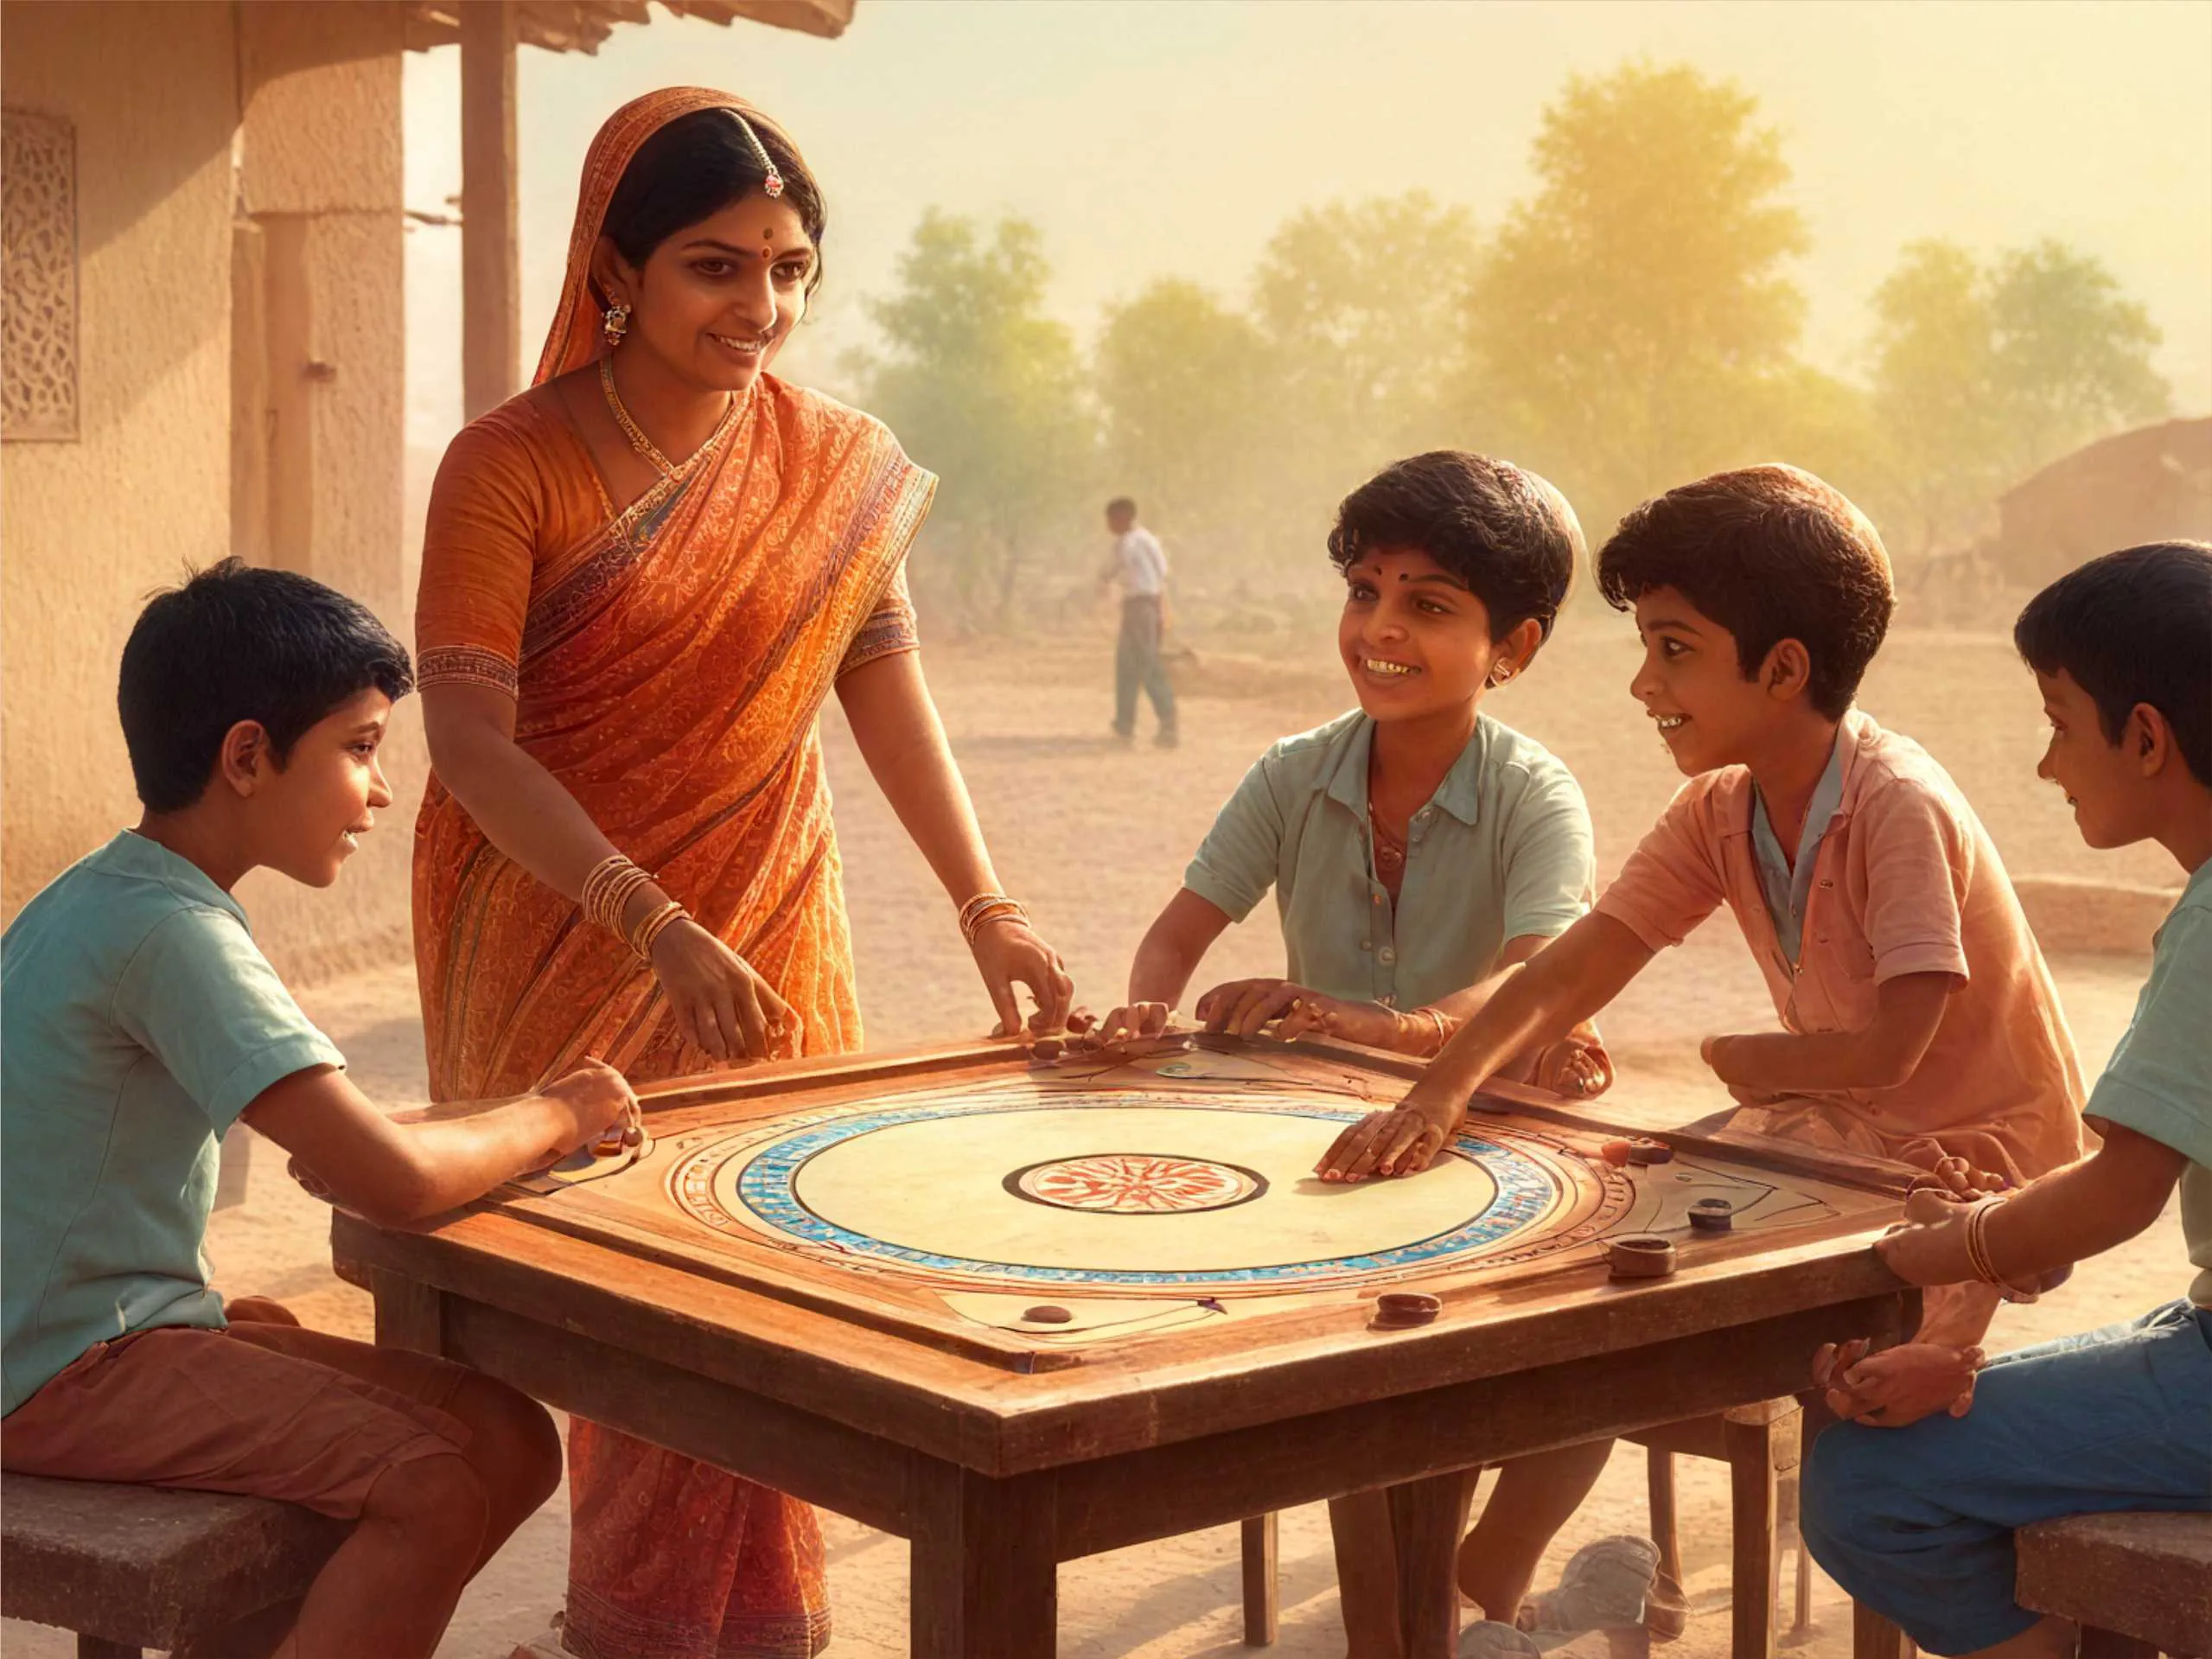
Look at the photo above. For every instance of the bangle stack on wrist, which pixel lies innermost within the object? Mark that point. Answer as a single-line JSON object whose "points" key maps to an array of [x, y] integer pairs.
{"points": [[988, 907], [643, 935], [608, 890], [1978, 1240]]}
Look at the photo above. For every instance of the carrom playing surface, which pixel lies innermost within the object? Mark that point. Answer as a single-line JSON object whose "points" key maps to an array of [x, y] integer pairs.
{"points": [[1039, 1208]]}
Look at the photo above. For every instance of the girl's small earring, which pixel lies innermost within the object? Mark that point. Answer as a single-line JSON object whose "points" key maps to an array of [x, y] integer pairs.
{"points": [[616, 323]]}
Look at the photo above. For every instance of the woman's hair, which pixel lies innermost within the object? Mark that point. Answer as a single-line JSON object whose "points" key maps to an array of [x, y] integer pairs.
{"points": [[695, 167], [2133, 626], [1507, 534], [237, 643], [1771, 553]]}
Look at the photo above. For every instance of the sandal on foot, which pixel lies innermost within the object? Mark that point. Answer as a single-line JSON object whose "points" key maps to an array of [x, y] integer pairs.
{"points": [[1490, 1640], [1605, 1584]]}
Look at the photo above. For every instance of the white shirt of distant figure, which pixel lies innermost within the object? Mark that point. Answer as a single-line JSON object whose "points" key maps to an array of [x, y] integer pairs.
{"points": [[1141, 563]]}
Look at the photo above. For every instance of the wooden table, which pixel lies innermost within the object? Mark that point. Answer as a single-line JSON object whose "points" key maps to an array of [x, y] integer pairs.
{"points": [[893, 1390]]}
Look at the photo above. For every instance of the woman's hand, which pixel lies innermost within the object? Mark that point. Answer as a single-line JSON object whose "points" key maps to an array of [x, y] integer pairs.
{"points": [[723, 1007], [1008, 952], [1897, 1386], [1399, 1142]]}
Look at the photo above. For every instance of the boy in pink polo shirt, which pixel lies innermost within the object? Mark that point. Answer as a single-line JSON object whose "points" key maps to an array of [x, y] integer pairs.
{"points": [[1920, 1023]]}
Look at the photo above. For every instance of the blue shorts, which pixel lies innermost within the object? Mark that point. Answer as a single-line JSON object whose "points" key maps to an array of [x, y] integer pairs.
{"points": [[1917, 1522]]}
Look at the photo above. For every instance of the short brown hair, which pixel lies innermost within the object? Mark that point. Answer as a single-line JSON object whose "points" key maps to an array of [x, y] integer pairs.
{"points": [[1771, 553]]}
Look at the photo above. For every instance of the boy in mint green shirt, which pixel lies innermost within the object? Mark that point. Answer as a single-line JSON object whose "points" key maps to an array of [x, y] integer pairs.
{"points": [[1417, 848], [137, 1023], [1911, 1504]]}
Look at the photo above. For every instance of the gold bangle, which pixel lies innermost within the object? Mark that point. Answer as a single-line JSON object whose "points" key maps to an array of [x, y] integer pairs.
{"points": [[988, 907], [1977, 1255], [648, 932], [614, 898], [1435, 1017]]}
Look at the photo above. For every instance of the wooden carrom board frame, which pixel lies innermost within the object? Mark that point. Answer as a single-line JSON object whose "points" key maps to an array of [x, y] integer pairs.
{"points": [[999, 1455]]}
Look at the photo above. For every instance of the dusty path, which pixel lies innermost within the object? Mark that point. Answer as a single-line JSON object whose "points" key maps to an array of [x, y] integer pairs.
{"points": [[1094, 836]]}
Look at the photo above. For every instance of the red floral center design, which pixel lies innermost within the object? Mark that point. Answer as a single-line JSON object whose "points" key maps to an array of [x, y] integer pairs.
{"points": [[1137, 1183]]}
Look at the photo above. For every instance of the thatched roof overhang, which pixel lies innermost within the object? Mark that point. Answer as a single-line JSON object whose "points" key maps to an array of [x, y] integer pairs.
{"points": [[581, 25]]}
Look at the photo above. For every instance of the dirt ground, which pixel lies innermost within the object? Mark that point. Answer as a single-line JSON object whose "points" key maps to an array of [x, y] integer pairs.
{"points": [[1094, 836]]}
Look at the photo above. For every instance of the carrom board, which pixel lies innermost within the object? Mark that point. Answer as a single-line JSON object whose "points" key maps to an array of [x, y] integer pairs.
{"points": [[1021, 1314], [1027, 1213]]}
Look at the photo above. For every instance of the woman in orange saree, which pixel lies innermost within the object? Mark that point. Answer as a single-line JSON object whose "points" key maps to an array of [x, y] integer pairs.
{"points": [[622, 657]]}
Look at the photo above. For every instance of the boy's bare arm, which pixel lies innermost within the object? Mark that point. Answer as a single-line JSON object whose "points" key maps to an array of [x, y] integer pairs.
{"points": [[394, 1173], [2058, 1219], [1564, 983], [1166, 957], [1886, 1052]]}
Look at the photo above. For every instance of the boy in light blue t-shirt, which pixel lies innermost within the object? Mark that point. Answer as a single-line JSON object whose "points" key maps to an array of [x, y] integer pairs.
{"points": [[1913, 1510], [137, 1023]]}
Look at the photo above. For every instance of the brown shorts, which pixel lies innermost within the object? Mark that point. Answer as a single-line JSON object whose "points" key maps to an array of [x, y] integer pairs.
{"points": [[215, 1412]]}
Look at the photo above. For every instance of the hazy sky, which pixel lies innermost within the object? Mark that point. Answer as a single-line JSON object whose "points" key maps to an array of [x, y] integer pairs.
{"points": [[1171, 138]]}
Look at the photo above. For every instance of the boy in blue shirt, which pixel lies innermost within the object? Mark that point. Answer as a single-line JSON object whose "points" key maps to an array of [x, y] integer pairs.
{"points": [[140, 1023], [1917, 1521]]}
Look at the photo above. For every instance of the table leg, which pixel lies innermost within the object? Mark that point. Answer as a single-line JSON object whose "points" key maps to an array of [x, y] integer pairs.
{"points": [[985, 1574], [1755, 1573], [1426, 1517], [1261, 1620], [410, 1315]]}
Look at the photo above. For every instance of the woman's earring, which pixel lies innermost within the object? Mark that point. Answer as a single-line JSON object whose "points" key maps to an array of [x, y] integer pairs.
{"points": [[616, 323]]}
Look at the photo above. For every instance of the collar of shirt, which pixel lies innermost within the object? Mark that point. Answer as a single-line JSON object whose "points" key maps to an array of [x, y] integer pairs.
{"points": [[132, 854], [1786, 886], [1458, 794]]}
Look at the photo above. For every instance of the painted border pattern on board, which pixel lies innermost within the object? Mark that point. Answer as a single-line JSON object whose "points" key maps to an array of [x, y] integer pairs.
{"points": [[1529, 1189]]}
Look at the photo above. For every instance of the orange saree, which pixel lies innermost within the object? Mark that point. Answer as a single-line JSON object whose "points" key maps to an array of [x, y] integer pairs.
{"points": [[668, 661]]}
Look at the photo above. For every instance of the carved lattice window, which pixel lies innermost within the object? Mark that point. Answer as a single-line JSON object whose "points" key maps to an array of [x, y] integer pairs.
{"points": [[38, 330]]}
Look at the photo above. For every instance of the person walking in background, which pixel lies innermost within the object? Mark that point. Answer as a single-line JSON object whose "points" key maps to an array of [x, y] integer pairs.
{"points": [[1140, 564]]}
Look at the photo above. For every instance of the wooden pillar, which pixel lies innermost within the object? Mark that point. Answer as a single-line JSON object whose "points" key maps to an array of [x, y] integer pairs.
{"points": [[491, 278]]}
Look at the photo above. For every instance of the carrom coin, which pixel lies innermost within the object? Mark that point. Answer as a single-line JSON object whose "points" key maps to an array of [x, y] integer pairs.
{"points": [[1639, 1255], [1048, 1315], [1714, 1214], [1402, 1310], [1642, 1152]]}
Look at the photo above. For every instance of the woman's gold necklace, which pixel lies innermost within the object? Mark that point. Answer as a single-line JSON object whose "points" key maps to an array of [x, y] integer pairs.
{"points": [[644, 445]]}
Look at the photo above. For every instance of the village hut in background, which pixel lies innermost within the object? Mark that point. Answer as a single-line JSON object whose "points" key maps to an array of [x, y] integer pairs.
{"points": [[2144, 485]]}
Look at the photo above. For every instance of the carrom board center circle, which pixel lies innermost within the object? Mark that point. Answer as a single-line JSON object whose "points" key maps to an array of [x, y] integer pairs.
{"points": [[1136, 1183], [918, 1184]]}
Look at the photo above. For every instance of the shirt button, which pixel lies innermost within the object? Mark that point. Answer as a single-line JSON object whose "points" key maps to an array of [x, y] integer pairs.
{"points": [[1366, 944], [1422, 814], [1375, 897], [1386, 956]]}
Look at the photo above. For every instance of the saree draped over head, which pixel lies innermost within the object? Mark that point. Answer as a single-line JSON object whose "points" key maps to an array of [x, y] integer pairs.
{"points": [[669, 659]]}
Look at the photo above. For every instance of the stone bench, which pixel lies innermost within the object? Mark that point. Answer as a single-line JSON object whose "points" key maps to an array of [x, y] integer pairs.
{"points": [[2137, 1584], [130, 1568]]}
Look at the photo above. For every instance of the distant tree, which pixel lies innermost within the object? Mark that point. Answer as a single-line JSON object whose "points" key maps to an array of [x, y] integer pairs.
{"points": [[986, 391], [2072, 357], [1632, 314], [1982, 375], [1361, 303], [1187, 395], [1933, 351]]}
